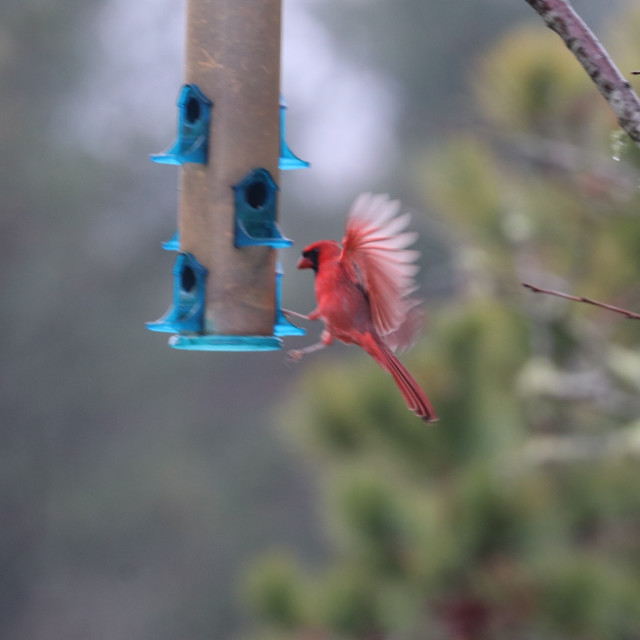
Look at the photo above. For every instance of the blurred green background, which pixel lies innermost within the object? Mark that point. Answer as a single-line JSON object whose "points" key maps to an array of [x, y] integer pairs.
{"points": [[155, 494]]}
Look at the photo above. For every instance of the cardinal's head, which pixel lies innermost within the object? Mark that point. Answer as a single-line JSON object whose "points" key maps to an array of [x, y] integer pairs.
{"points": [[319, 252]]}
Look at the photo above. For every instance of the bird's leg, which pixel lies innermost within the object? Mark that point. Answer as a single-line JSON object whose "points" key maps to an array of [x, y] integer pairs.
{"points": [[295, 355], [294, 314]]}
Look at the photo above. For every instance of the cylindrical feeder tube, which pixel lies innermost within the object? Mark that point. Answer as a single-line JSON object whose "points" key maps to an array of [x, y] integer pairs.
{"points": [[233, 56]]}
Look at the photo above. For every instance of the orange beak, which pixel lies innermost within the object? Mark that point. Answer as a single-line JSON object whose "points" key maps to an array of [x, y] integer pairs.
{"points": [[305, 263]]}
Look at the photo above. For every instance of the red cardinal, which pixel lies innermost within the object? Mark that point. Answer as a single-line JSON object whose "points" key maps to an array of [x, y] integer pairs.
{"points": [[363, 291]]}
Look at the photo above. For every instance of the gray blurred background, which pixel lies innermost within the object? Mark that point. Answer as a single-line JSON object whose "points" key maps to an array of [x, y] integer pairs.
{"points": [[139, 482]]}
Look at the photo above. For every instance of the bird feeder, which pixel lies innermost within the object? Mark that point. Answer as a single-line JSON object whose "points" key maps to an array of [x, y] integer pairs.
{"points": [[230, 147]]}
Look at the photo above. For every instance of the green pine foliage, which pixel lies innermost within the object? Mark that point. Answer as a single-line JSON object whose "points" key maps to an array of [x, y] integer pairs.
{"points": [[518, 514]]}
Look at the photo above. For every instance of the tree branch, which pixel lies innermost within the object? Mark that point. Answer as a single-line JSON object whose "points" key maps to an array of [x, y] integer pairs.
{"points": [[603, 305], [560, 17]]}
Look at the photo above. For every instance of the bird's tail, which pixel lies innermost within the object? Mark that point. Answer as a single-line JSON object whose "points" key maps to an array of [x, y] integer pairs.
{"points": [[413, 395]]}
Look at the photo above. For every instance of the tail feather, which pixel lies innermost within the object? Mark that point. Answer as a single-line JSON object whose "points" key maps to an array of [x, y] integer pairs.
{"points": [[414, 397]]}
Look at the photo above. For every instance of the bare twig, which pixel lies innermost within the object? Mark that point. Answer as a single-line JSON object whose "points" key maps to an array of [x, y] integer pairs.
{"points": [[560, 17], [603, 305]]}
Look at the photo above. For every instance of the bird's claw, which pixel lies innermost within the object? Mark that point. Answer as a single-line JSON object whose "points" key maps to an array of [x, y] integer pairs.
{"points": [[294, 356]]}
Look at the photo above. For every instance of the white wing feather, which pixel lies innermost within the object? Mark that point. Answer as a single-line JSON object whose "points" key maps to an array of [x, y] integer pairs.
{"points": [[375, 253]]}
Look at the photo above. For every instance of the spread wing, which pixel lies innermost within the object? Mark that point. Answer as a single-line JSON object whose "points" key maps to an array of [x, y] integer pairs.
{"points": [[375, 254]]}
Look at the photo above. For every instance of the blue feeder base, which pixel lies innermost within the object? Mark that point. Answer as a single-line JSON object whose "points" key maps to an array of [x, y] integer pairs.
{"points": [[225, 343]]}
